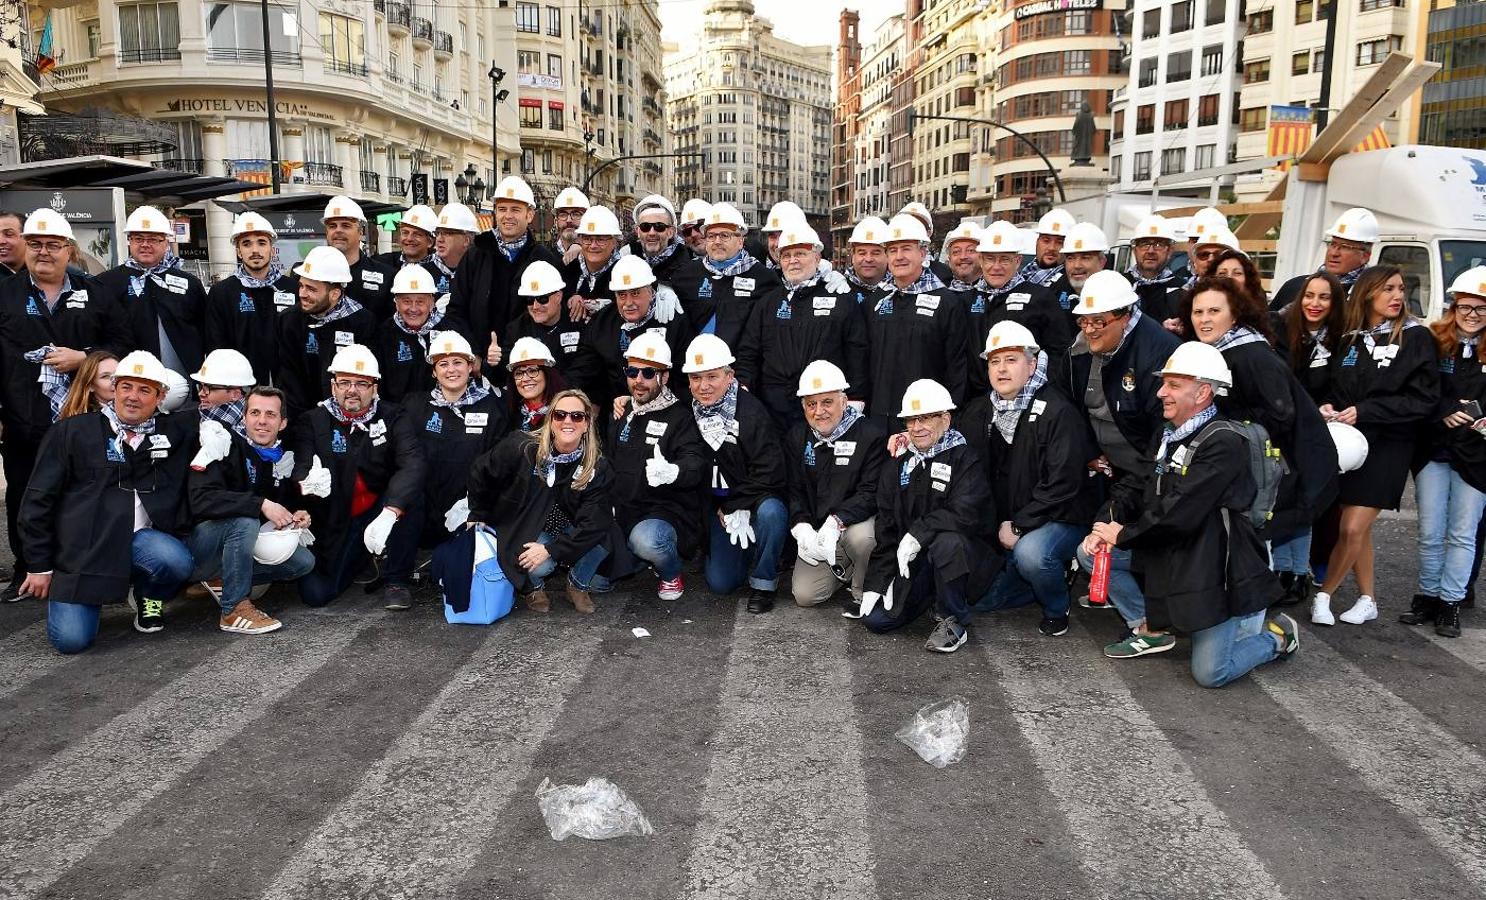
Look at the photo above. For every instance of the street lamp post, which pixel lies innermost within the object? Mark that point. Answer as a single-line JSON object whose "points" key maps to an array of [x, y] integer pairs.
{"points": [[273, 125], [469, 186], [619, 159], [914, 115], [497, 96]]}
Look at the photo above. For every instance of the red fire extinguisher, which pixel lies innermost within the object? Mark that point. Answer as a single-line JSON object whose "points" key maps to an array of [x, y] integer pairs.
{"points": [[1099, 581]]}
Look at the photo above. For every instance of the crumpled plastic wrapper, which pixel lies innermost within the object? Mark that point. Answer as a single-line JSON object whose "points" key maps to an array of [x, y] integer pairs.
{"points": [[938, 732], [596, 810]]}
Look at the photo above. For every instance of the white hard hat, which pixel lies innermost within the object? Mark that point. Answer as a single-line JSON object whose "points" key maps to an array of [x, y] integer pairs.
{"points": [[530, 350], [450, 343], [870, 230], [458, 217], [782, 215], [251, 223], [148, 220], [705, 353], [798, 234], [1086, 237], [1105, 291], [540, 279], [599, 220], [924, 397], [965, 231], [571, 198], [177, 391], [651, 347], [325, 264], [695, 210], [1356, 224], [920, 212], [629, 273], [821, 377], [904, 227], [1204, 222], [46, 222], [1000, 237], [343, 207], [413, 279], [273, 547], [726, 214], [655, 201], [1056, 222], [513, 188], [1219, 237], [1007, 335], [1154, 226], [355, 359], [227, 368], [1198, 360], [1351, 446], [144, 366], [1472, 281], [421, 217]]}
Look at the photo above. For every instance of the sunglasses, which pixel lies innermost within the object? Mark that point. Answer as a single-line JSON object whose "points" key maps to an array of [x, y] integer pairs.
{"points": [[651, 227], [540, 298], [647, 373], [563, 415]]}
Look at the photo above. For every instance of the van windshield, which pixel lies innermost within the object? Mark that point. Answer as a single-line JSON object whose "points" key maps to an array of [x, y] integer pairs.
{"points": [[1457, 256]]}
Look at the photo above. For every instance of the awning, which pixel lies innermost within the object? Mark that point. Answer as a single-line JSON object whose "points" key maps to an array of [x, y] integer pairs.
{"points": [[314, 202], [179, 188]]}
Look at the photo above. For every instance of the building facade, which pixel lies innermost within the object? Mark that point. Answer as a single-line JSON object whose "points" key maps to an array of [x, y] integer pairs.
{"points": [[756, 111], [946, 65], [1453, 102], [844, 125]]}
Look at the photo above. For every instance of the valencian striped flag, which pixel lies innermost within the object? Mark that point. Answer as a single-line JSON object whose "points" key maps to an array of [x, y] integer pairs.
{"points": [[1289, 132]]}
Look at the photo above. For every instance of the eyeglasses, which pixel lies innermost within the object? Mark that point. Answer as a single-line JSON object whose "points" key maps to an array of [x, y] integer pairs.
{"points": [[146, 239], [1344, 246], [915, 420], [1151, 244], [1469, 312], [644, 372], [1209, 254], [1090, 323], [720, 236], [651, 227], [595, 238], [208, 388], [690, 229], [526, 373], [563, 415], [354, 385], [51, 248]]}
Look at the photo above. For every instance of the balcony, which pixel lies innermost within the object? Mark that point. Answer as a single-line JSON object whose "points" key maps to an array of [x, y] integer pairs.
{"points": [[70, 75], [396, 187], [422, 33], [249, 56], [322, 173], [443, 44], [345, 67], [399, 18], [380, 6], [371, 182], [149, 55], [186, 166]]}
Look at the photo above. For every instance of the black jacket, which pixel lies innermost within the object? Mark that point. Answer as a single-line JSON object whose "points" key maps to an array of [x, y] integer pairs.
{"points": [[1200, 572], [247, 320], [572, 274], [576, 359], [915, 336], [837, 479], [666, 269], [389, 462], [236, 486], [77, 518], [812, 323], [729, 300], [601, 338], [1161, 300], [681, 503], [85, 319], [449, 443], [175, 301], [485, 284], [749, 464], [306, 350], [1392, 396], [1314, 373], [1462, 378], [1043, 474], [1028, 305], [404, 358], [371, 286]]}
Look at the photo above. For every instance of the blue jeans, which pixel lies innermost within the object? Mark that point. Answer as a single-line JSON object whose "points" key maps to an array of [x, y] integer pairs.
{"points": [[927, 588], [332, 575], [654, 540], [1449, 511], [160, 564], [1124, 593], [580, 573], [728, 566], [1293, 555], [225, 547], [71, 627], [1231, 649], [1036, 570]]}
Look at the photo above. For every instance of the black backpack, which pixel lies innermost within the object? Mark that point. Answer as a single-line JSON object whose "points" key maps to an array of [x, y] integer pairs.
{"points": [[1266, 464]]}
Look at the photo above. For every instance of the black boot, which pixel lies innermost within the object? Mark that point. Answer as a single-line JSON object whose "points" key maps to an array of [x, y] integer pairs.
{"points": [[760, 601], [1470, 598], [1447, 620], [1287, 587], [1422, 611], [1295, 589]]}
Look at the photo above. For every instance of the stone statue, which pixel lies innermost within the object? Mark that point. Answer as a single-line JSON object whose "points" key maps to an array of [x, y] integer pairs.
{"points": [[1083, 136]]}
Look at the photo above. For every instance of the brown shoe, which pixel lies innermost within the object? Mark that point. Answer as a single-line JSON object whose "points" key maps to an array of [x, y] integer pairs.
{"points": [[245, 618], [579, 598], [536, 601]]}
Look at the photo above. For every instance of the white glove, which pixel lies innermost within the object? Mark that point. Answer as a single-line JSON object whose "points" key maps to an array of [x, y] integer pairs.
{"points": [[594, 304], [215, 444], [835, 282], [306, 538], [376, 533], [807, 539], [442, 304], [285, 466], [870, 600], [740, 532], [457, 514], [317, 482], [828, 537], [908, 549], [658, 471], [666, 305]]}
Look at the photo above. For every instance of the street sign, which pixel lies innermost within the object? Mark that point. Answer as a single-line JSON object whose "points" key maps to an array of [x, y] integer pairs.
{"points": [[420, 188]]}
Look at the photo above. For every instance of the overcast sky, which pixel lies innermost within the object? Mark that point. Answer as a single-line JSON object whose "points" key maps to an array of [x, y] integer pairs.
{"points": [[801, 21]]}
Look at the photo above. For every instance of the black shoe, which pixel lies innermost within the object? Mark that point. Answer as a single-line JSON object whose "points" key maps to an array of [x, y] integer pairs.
{"points": [[1470, 598], [1422, 611], [149, 615], [397, 596], [760, 601], [12, 592], [1298, 589], [1053, 626], [1447, 620]]}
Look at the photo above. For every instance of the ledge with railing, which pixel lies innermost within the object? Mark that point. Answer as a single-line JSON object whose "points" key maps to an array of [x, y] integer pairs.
{"points": [[399, 15], [322, 173], [247, 55], [371, 182], [396, 186], [188, 166], [443, 42], [345, 67], [422, 30], [150, 54]]}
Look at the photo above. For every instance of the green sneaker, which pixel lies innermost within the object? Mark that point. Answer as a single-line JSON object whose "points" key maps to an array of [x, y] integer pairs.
{"points": [[1139, 645], [1287, 631]]}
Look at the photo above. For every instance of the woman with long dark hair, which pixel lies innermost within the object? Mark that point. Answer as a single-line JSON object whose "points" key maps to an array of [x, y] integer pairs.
{"points": [[535, 381], [1236, 266], [92, 384], [1308, 329]]}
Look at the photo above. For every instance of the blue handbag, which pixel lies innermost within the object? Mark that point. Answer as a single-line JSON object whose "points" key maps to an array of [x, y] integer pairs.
{"points": [[490, 594]]}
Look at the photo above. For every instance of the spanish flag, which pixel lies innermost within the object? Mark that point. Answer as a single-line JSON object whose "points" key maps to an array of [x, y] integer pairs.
{"points": [[1377, 140], [1290, 129]]}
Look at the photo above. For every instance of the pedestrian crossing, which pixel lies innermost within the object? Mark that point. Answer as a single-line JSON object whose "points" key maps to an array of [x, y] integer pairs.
{"points": [[360, 753]]}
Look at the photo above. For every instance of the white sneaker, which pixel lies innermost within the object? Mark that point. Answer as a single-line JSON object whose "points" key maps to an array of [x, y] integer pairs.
{"points": [[1321, 609], [1364, 610]]}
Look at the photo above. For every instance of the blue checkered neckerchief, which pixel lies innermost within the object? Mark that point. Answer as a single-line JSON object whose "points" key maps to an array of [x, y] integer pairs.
{"points": [[927, 281], [136, 282], [474, 392], [1350, 278], [275, 272], [916, 457], [230, 415], [422, 334], [1138, 280], [984, 287], [511, 248], [1237, 337], [739, 264], [851, 276], [120, 427], [726, 407], [546, 469], [849, 417], [1180, 433], [1035, 273], [665, 253], [588, 278], [1009, 412], [362, 421], [791, 289], [346, 307], [955, 284], [54, 384]]}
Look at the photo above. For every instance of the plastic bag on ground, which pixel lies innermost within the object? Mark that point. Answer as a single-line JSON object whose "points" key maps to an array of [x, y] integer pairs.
{"points": [[938, 732], [596, 810]]}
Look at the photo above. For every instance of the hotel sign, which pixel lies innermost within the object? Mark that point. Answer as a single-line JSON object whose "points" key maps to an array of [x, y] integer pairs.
{"points": [[1027, 10]]}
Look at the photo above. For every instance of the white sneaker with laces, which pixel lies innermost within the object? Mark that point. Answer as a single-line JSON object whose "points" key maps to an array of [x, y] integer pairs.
{"points": [[1321, 609], [1364, 610]]}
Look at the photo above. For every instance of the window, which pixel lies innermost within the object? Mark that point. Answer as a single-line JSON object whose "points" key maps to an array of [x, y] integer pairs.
{"points": [[1118, 129], [528, 62], [1318, 61], [1176, 115], [234, 31], [1148, 71], [1217, 11], [1141, 166], [1300, 63], [1212, 60], [1174, 161], [528, 162], [344, 41], [149, 32], [1207, 110], [528, 19], [319, 145], [1114, 167], [1370, 5], [1252, 119], [531, 117], [1256, 72], [1204, 157], [1179, 66], [554, 66], [1261, 22], [248, 138], [1305, 10], [95, 38], [1371, 53], [1151, 23], [1145, 119], [546, 162], [1077, 62], [1181, 16], [554, 21]]}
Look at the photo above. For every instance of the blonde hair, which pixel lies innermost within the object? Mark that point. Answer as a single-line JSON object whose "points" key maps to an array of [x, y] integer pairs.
{"points": [[588, 464]]}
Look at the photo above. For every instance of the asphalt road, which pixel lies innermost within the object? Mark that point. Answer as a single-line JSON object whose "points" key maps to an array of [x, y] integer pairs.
{"points": [[364, 753]]}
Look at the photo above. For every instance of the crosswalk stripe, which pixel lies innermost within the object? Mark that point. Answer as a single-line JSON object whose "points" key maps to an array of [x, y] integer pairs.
{"points": [[1469, 648], [423, 813], [26, 655], [1118, 781], [787, 772], [56, 816], [1398, 751]]}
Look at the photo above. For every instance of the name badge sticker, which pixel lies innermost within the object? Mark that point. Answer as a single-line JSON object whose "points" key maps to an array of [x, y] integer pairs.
{"points": [[845, 448], [656, 427], [477, 420], [940, 471], [344, 338], [282, 299], [370, 278], [378, 428], [743, 284], [927, 301], [824, 302], [569, 340], [160, 441]]}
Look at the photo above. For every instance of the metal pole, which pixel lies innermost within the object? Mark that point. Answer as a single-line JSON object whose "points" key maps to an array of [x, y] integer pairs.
{"points": [[1014, 133], [494, 126], [273, 120], [1323, 115]]}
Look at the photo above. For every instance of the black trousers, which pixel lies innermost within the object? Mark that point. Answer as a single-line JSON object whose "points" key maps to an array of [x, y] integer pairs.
{"points": [[19, 456]]}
